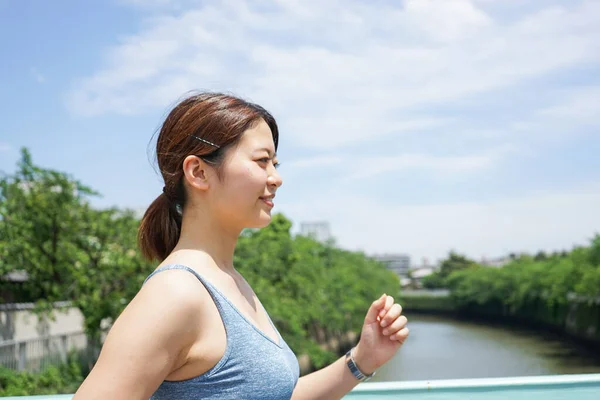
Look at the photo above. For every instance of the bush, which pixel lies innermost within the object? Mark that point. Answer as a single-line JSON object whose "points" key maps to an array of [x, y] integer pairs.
{"points": [[61, 379]]}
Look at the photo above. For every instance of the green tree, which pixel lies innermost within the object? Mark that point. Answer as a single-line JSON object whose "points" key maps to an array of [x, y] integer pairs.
{"points": [[69, 250], [110, 269], [433, 281], [594, 251], [40, 211], [529, 284], [455, 262]]}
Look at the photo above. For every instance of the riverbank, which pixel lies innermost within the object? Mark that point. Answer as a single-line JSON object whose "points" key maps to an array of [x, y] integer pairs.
{"points": [[578, 319]]}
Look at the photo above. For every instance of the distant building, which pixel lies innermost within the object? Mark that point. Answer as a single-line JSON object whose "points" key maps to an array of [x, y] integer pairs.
{"points": [[495, 262], [418, 274], [398, 263], [405, 282], [317, 230], [422, 272]]}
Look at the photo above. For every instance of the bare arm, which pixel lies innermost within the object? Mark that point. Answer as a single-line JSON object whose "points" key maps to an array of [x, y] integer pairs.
{"points": [[148, 341], [331, 382]]}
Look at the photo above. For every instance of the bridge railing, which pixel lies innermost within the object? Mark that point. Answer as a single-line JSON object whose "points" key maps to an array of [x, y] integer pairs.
{"points": [[567, 387]]}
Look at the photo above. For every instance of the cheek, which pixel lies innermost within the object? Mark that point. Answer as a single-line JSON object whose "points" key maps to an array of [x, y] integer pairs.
{"points": [[254, 174], [248, 179]]}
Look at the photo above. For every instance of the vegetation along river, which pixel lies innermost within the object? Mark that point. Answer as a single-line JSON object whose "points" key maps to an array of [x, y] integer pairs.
{"points": [[444, 348]]}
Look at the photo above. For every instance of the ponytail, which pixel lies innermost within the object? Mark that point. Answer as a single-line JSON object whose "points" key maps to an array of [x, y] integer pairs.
{"points": [[160, 229]]}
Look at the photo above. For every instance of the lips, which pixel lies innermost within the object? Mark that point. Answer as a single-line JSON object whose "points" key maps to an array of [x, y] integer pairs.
{"points": [[268, 200]]}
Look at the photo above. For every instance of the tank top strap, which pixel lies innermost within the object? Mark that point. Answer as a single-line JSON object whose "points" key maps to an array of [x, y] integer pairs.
{"points": [[230, 314], [220, 300]]}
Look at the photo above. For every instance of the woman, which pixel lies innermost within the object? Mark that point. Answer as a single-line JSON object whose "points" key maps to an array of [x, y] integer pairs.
{"points": [[196, 330]]}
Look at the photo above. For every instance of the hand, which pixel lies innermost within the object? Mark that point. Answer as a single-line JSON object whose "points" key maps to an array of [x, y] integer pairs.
{"points": [[383, 332]]}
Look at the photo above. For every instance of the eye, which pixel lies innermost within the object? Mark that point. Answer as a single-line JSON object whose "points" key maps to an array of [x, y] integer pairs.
{"points": [[266, 161]]}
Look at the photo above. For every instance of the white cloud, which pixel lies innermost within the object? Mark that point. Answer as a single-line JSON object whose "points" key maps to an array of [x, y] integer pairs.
{"points": [[368, 167], [444, 165], [536, 221], [446, 21], [341, 127], [355, 167], [381, 89], [337, 73], [5, 147], [579, 105], [572, 111]]}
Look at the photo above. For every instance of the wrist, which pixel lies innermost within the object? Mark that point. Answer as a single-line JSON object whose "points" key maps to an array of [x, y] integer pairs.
{"points": [[362, 361]]}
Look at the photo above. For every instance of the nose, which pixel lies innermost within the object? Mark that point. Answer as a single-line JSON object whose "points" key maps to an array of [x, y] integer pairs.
{"points": [[274, 179]]}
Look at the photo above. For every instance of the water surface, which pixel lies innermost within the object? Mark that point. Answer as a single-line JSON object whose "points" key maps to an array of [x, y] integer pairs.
{"points": [[444, 348]]}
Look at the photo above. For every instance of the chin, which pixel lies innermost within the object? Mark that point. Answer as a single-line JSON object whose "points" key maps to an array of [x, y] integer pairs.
{"points": [[262, 221]]}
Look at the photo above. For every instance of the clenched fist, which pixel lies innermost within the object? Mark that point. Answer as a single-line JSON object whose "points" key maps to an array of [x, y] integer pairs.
{"points": [[383, 332]]}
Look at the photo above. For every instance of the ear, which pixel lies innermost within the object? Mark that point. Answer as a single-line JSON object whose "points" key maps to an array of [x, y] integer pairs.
{"points": [[197, 172]]}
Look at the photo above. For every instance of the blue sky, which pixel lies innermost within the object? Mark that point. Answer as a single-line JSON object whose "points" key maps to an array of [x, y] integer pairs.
{"points": [[417, 126]]}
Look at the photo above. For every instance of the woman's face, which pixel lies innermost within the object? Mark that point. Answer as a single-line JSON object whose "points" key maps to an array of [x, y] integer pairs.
{"points": [[244, 195]]}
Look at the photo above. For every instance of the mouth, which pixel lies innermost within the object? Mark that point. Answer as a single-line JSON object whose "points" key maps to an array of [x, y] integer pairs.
{"points": [[268, 200]]}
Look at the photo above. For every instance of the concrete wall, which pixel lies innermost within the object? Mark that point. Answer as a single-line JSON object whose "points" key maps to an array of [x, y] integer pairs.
{"points": [[18, 322]]}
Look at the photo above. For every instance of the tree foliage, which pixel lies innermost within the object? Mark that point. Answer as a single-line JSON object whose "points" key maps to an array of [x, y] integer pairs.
{"points": [[525, 280], [73, 251], [453, 263], [68, 249]]}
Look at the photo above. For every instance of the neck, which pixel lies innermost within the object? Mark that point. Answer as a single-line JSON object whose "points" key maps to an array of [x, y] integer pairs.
{"points": [[201, 232]]}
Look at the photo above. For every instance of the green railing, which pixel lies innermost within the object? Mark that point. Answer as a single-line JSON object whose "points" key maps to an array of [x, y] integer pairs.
{"points": [[567, 387], [552, 387]]}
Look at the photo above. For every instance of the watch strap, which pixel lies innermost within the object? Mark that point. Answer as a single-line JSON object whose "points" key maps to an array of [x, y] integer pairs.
{"points": [[358, 374]]}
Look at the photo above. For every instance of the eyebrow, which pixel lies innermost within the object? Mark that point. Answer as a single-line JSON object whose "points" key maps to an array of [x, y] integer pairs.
{"points": [[268, 151]]}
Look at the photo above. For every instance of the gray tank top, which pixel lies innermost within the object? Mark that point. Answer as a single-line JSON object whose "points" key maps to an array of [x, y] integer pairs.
{"points": [[253, 366]]}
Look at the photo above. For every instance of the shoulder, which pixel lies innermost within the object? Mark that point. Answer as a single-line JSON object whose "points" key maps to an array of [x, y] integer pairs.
{"points": [[175, 291], [168, 310], [150, 338], [168, 305]]}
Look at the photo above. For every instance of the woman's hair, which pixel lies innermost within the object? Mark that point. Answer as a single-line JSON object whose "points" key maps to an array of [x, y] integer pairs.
{"points": [[204, 125]]}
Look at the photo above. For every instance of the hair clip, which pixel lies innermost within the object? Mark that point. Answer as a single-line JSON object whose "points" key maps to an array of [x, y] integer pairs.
{"points": [[206, 141]]}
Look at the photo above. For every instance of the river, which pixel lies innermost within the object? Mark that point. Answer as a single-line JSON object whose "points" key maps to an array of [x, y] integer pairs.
{"points": [[444, 348]]}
